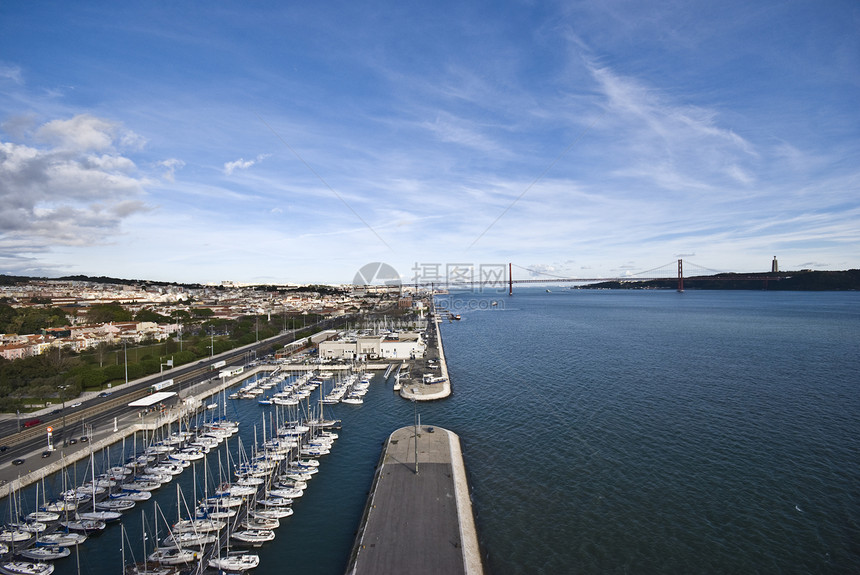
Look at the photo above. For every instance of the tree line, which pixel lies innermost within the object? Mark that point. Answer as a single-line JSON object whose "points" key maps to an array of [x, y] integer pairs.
{"points": [[62, 374]]}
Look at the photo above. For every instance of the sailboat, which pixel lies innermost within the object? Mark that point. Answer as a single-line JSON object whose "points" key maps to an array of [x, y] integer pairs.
{"points": [[45, 553], [26, 568], [254, 537], [235, 563], [175, 554], [62, 539]]}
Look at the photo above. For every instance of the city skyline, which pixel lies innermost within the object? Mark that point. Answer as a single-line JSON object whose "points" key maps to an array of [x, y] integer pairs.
{"points": [[273, 144]]}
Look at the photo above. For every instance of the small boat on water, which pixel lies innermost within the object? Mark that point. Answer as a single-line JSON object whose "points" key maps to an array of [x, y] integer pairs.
{"points": [[173, 556], [42, 517], [198, 525], [288, 493], [189, 539], [115, 505], [254, 537], [132, 495], [84, 525], [260, 523], [62, 539], [45, 553], [105, 516], [277, 502], [272, 513], [26, 568], [14, 535], [29, 527], [152, 568], [235, 563]]}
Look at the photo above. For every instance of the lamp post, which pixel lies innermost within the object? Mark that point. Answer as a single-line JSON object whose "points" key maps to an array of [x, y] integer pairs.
{"points": [[168, 363]]}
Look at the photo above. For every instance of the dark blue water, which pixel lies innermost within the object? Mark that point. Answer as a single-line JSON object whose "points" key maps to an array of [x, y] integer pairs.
{"points": [[619, 432]]}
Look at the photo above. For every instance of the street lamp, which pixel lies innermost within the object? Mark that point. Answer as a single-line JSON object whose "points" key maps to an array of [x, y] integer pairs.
{"points": [[169, 363]]}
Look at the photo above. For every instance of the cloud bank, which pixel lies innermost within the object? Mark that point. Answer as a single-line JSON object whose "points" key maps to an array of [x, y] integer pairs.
{"points": [[74, 190]]}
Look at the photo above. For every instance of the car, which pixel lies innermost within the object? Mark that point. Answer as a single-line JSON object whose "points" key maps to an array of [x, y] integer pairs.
{"points": [[46, 454], [56, 411], [78, 404], [32, 422], [3, 448], [73, 441], [105, 393], [17, 461], [84, 439]]}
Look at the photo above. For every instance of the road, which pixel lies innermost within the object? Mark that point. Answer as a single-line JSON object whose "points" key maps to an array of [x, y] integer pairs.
{"points": [[97, 413]]}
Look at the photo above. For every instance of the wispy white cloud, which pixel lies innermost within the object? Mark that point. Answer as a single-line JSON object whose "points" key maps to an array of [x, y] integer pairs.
{"points": [[243, 164], [678, 146], [170, 166], [11, 72]]}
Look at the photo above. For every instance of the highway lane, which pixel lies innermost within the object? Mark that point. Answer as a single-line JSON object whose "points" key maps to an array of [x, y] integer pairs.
{"points": [[99, 412]]}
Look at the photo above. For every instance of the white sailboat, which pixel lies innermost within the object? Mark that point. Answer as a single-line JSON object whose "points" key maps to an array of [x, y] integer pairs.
{"points": [[45, 553], [26, 568], [254, 537], [62, 539], [235, 563]]}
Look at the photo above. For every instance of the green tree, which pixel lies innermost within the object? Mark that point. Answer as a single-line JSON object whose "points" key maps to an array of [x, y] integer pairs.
{"points": [[105, 313], [149, 315]]}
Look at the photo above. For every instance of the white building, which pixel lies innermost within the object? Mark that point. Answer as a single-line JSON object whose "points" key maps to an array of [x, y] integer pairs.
{"points": [[402, 346]]}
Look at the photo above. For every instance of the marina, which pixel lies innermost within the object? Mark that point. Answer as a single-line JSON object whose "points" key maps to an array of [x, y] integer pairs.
{"points": [[204, 524], [256, 485]]}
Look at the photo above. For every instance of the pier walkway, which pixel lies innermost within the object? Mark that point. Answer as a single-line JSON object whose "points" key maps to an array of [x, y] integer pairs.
{"points": [[418, 518], [416, 389]]}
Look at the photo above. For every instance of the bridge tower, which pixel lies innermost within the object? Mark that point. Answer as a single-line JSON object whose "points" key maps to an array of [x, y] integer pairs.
{"points": [[680, 276], [774, 267]]}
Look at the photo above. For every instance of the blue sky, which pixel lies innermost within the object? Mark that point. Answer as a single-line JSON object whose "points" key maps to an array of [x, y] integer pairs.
{"points": [[279, 142]]}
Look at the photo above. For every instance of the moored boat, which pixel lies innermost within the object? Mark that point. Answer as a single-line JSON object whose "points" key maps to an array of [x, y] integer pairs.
{"points": [[26, 568], [45, 553], [254, 537], [235, 563], [62, 539]]}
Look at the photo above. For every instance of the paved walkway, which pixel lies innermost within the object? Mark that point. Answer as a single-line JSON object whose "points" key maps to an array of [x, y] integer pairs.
{"points": [[418, 523], [415, 388]]}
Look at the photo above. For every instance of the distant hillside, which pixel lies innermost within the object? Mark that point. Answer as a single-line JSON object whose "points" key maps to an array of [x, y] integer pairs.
{"points": [[311, 288], [804, 280], [14, 280]]}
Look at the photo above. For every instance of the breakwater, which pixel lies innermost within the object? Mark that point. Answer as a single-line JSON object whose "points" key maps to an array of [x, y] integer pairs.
{"points": [[418, 518]]}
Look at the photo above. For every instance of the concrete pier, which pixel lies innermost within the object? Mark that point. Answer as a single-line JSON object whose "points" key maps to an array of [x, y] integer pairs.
{"points": [[418, 518], [415, 389]]}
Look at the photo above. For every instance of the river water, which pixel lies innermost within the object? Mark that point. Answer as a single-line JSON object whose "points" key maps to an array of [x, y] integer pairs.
{"points": [[611, 432]]}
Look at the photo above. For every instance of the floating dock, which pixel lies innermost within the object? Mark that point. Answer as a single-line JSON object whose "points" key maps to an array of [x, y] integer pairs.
{"points": [[418, 518]]}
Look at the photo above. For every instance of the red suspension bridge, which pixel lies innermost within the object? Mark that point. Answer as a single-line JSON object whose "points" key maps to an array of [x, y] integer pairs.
{"points": [[673, 271]]}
